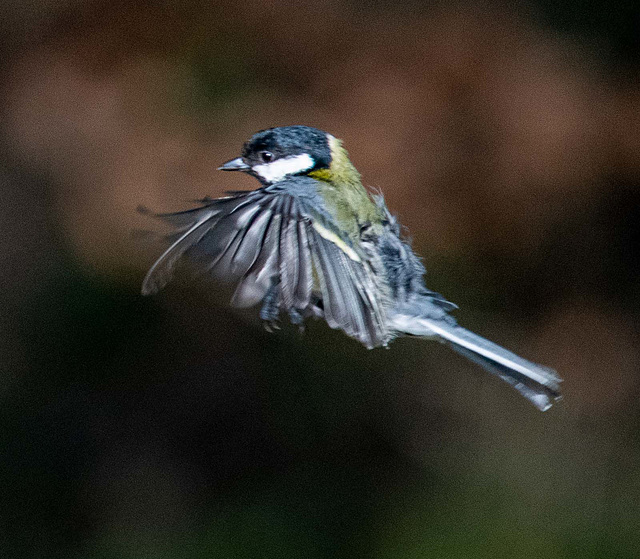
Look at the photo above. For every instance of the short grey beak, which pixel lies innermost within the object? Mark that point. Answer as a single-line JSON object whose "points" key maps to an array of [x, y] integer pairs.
{"points": [[236, 164]]}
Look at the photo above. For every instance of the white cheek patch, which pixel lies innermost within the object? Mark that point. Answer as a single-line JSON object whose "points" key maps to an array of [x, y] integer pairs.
{"points": [[280, 168]]}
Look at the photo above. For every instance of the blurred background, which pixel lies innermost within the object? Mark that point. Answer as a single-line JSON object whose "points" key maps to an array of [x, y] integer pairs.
{"points": [[506, 137]]}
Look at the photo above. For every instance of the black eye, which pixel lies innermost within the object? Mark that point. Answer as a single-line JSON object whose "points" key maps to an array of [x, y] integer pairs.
{"points": [[266, 156]]}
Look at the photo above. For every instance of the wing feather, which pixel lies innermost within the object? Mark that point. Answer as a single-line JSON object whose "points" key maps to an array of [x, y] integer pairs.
{"points": [[264, 238], [332, 296], [304, 287], [347, 293], [289, 262], [162, 271]]}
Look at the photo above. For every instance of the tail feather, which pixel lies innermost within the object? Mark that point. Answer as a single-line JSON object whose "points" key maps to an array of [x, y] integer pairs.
{"points": [[539, 384], [540, 395]]}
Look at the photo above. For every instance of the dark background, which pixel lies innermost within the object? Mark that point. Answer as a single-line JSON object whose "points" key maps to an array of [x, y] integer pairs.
{"points": [[506, 137]]}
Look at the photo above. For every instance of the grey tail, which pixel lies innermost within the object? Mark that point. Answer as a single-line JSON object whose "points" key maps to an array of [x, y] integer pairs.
{"points": [[539, 384]]}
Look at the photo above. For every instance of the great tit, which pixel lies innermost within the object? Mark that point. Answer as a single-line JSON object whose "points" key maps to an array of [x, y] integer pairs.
{"points": [[312, 241]]}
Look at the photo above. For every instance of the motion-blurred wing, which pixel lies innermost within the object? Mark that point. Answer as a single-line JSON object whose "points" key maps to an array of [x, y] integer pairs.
{"points": [[262, 239]]}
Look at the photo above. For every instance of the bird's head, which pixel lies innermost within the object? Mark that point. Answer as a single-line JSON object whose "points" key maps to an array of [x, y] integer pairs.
{"points": [[277, 153]]}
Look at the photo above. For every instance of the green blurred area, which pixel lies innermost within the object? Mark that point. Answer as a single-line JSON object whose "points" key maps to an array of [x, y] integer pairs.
{"points": [[173, 426]]}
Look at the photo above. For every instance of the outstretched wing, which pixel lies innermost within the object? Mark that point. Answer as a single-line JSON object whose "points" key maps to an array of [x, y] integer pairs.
{"points": [[271, 240]]}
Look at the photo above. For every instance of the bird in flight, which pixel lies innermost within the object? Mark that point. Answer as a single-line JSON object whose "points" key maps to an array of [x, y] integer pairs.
{"points": [[313, 242]]}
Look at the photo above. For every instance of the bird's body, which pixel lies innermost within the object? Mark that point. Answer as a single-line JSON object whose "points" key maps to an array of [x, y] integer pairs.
{"points": [[313, 242]]}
